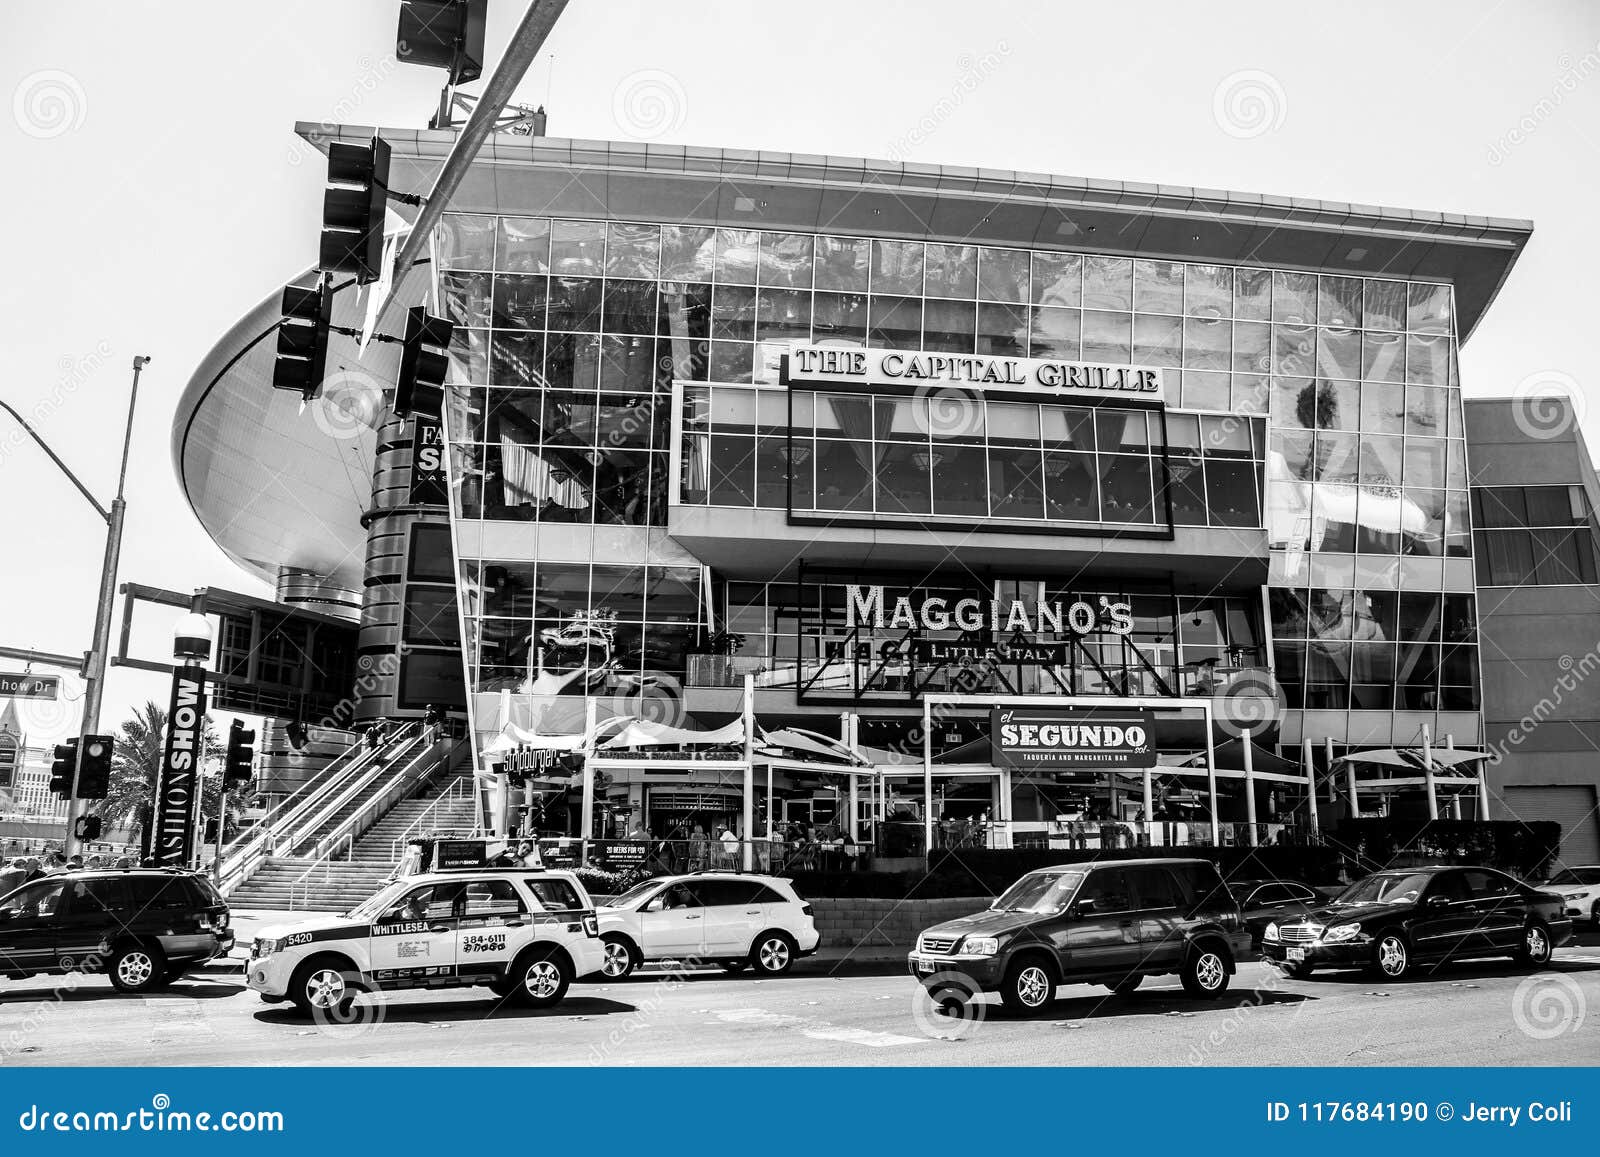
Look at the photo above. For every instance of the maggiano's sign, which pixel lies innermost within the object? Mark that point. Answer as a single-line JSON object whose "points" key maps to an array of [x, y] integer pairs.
{"points": [[866, 606], [844, 367], [1058, 739]]}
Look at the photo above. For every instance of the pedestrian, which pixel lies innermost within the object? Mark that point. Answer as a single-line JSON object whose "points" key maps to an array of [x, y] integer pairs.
{"points": [[13, 875], [528, 855], [730, 844], [54, 864]]}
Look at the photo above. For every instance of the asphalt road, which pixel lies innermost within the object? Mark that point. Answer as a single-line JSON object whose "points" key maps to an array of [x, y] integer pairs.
{"points": [[832, 1014]]}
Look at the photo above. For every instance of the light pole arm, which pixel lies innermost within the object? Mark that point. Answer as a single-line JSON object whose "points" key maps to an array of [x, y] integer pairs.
{"points": [[104, 514]]}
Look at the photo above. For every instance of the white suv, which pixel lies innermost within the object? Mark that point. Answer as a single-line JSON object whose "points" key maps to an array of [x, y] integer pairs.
{"points": [[725, 918], [524, 933]]}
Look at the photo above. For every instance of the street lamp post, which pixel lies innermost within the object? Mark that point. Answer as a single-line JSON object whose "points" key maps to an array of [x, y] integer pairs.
{"points": [[94, 665]]}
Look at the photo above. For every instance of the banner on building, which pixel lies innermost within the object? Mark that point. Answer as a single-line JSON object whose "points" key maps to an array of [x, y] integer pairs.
{"points": [[1057, 738], [428, 484], [178, 781]]}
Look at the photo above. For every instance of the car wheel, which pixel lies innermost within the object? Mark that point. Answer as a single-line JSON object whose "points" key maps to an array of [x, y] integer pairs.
{"points": [[136, 968], [1535, 949], [772, 954], [1205, 972], [619, 957], [1594, 914], [1029, 987], [1126, 985], [541, 980], [321, 988], [1391, 956]]}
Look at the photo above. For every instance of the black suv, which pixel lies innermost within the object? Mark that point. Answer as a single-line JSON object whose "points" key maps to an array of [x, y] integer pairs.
{"points": [[1110, 923], [1392, 921], [142, 926]]}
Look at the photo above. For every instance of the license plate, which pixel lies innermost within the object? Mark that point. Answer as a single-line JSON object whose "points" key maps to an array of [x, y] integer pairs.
{"points": [[924, 966], [1294, 955]]}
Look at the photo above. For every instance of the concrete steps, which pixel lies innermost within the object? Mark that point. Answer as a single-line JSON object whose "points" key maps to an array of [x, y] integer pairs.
{"points": [[347, 883]]}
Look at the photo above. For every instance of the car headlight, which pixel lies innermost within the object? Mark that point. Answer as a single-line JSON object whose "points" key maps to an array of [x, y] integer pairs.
{"points": [[1341, 932], [1572, 895], [980, 946], [268, 947], [1271, 933]]}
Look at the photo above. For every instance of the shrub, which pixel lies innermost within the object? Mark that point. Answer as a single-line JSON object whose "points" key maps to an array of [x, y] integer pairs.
{"points": [[1523, 849]]}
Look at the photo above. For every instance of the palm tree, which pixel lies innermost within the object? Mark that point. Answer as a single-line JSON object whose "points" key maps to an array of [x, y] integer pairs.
{"points": [[135, 763]]}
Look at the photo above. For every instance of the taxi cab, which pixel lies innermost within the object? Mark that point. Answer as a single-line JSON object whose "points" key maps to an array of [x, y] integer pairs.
{"points": [[524, 933]]}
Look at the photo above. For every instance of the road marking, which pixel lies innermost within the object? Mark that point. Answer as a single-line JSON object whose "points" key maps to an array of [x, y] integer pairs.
{"points": [[815, 1028]]}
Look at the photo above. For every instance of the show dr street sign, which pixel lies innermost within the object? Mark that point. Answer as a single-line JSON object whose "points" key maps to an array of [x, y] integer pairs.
{"points": [[26, 686]]}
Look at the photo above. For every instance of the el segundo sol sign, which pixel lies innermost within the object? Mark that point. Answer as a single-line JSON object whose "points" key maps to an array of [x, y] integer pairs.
{"points": [[1046, 738]]}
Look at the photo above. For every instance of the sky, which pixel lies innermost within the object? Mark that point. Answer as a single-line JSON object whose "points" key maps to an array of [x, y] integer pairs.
{"points": [[154, 190]]}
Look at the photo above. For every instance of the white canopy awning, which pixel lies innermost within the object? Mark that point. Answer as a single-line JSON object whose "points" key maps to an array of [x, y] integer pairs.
{"points": [[644, 733], [511, 736]]}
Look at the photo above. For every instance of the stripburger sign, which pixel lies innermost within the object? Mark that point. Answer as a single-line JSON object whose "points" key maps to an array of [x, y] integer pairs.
{"points": [[1053, 738]]}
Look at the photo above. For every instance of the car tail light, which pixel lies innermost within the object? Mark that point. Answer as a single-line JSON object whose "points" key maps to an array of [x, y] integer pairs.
{"points": [[591, 925], [805, 910]]}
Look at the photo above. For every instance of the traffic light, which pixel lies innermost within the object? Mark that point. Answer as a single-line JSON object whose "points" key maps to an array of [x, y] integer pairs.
{"points": [[94, 774], [63, 768], [239, 766], [353, 209], [88, 827], [443, 34], [423, 364], [302, 360]]}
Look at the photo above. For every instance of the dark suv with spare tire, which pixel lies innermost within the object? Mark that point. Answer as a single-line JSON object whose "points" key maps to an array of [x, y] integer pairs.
{"points": [[1107, 923], [143, 927]]}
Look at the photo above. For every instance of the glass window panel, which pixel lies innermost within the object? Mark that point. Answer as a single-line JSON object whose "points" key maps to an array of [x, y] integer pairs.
{"points": [[1068, 427], [1339, 302], [1057, 279], [733, 314], [1383, 357], [466, 297], [895, 322], [950, 326], [731, 361], [1071, 486], [577, 248], [1125, 486], [1252, 294], [1107, 337], [630, 307], [900, 419], [469, 355], [1013, 423], [1383, 408], [772, 468], [633, 250], [732, 471], [1187, 491], [897, 267], [960, 482], [951, 270], [1419, 617], [1418, 677], [1003, 274], [1428, 359], [840, 318], [1294, 298], [520, 301], [1337, 456], [523, 245], [1428, 308], [783, 314], [1458, 525], [1002, 329], [1294, 349], [1425, 462], [733, 411], [1252, 347], [1381, 460], [800, 465], [575, 303], [786, 259], [1225, 437], [842, 263], [1108, 283], [1547, 505], [518, 358], [1208, 290], [738, 255], [572, 361], [1288, 408], [1157, 340], [1120, 429], [688, 253], [1207, 343], [1057, 333], [1425, 410], [1456, 474], [1157, 287], [1016, 477], [466, 241], [1385, 305], [903, 479], [1252, 394], [1339, 353], [1233, 492], [1205, 391]]}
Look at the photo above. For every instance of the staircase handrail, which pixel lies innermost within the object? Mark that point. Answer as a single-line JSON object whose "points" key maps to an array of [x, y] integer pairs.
{"points": [[411, 773], [304, 878], [398, 749], [303, 795], [453, 794]]}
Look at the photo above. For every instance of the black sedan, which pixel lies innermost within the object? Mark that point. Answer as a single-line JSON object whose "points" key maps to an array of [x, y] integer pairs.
{"points": [[1266, 902], [1394, 921]]}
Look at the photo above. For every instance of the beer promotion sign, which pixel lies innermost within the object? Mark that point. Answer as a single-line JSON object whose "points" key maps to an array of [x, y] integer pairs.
{"points": [[1057, 739]]}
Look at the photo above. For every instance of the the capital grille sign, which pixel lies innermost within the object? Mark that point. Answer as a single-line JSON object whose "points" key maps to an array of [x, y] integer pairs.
{"points": [[1056, 738], [848, 367]]}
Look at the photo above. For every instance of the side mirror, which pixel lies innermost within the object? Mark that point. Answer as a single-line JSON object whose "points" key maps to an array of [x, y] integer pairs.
{"points": [[1437, 902], [655, 905], [1083, 907]]}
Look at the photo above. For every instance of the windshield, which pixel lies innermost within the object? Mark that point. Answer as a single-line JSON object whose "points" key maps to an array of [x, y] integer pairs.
{"points": [[1581, 877], [377, 902], [1386, 888], [1044, 893], [633, 894]]}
